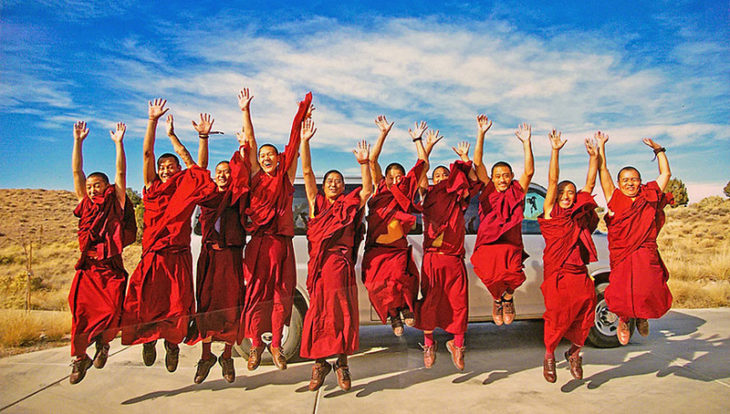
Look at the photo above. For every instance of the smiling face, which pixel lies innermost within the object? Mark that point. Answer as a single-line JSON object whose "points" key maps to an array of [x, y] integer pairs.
{"points": [[440, 174], [333, 185], [222, 175], [629, 181], [96, 186], [566, 194], [502, 177], [167, 167], [394, 174], [268, 158]]}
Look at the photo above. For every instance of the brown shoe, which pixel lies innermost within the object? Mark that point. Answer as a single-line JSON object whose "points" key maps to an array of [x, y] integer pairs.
{"points": [[254, 357], [277, 357], [229, 371], [397, 324], [497, 312], [319, 371], [102, 354], [78, 370], [642, 325], [548, 370], [408, 317], [429, 355], [622, 332], [172, 356], [343, 376], [508, 310], [576, 364], [149, 353], [457, 354], [204, 366]]}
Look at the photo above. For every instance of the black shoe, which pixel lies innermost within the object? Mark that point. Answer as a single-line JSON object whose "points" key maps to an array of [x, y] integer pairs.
{"points": [[149, 353], [204, 366], [172, 356], [78, 372]]}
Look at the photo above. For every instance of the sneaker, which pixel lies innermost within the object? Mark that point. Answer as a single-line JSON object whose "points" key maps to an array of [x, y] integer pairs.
{"points": [[408, 317], [254, 357], [576, 364], [319, 371], [229, 371], [204, 366], [278, 359], [149, 353], [78, 370], [508, 310], [343, 376], [497, 312], [642, 325], [172, 356], [457, 354], [102, 354], [429, 355], [622, 332], [397, 324], [548, 370]]}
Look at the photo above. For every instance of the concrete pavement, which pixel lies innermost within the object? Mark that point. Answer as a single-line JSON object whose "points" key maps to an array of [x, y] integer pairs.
{"points": [[684, 365]]}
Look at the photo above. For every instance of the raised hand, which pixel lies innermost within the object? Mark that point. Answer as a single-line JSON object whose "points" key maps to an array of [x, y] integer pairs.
{"points": [[524, 132], [310, 110], [591, 147], [600, 138], [118, 135], [650, 142], [483, 123], [156, 108], [169, 122], [555, 140], [462, 149], [80, 131], [244, 99], [241, 138], [383, 124], [205, 125], [432, 137], [417, 133], [308, 129], [362, 152]]}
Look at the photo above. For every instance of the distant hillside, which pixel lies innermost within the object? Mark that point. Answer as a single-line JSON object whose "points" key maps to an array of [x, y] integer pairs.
{"points": [[26, 213]]}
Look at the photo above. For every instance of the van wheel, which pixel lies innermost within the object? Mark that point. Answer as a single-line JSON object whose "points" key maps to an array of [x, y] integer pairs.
{"points": [[605, 323]]}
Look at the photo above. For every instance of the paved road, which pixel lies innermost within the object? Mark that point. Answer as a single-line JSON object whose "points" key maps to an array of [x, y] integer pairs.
{"points": [[683, 366]]}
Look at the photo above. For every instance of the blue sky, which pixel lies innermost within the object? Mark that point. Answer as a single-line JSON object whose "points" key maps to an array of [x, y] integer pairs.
{"points": [[660, 69]]}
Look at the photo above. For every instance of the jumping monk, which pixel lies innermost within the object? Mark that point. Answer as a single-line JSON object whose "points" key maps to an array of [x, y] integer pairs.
{"points": [[498, 252], [388, 270], [444, 283], [568, 220], [160, 300], [106, 225], [638, 281], [334, 231], [269, 264], [219, 283]]}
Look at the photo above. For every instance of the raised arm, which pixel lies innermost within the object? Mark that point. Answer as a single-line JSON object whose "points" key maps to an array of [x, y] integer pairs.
{"points": [[661, 155], [483, 125], [523, 133], [77, 160], [177, 145], [155, 110], [606, 181], [362, 154], [120, 180], [462, 150], [417, 138], [384, 127], [310, 184], [244, 102], [203, 128], [554, 171], [593, 162]]}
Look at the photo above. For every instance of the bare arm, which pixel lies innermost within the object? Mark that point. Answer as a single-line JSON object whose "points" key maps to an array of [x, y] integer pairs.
{"points": [[120, 181], [203, 128], [244, 102], [554, 172], [384, 127], [155, 110], [310, 184], [483, 125], [593, 162], [416, 136], [77, 160], [523, 133], [462, 150], [362, 154], [177, 145], [664, 172], [606, 182]]}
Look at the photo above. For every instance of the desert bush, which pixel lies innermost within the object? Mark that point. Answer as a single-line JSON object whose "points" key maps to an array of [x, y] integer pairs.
{"points": [[679, 191], [20, 328]]}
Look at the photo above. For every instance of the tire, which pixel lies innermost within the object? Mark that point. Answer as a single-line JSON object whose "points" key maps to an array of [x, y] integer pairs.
{"points": [[292, 337], [605, 322]]}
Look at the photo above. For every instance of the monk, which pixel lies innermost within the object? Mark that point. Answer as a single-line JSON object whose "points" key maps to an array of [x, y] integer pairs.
{"points": [[106, 225], [335, 229], [388, 270], [444, 283], [568, 220], [160, 300], [269, 264], [638, 282], [498, 252], [219, 283]]}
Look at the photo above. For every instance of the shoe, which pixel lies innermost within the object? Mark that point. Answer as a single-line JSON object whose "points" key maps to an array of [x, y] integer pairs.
{"points": [[254, 357], [508, 310], [576, 364], [101, 355], [229, 371], [172, 356], [457, 354], [343, 376], [78, 370], [319, 371], [149, 353], [497, 312], [204, 366], [548, 370], [408, 317], [277, 357], [429, 355], [642, 325], [622, 332], [397, 324]]}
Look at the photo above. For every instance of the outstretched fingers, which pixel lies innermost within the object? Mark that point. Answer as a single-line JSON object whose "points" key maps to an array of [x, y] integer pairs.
{"points": [[483, 123], [362, 152], [80, 130], [524, 132]]}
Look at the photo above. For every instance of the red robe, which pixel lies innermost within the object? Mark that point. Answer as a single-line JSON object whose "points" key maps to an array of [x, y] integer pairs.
{"points": [[570, 297], [160, 300], [269, 263], [219, 282], [444, 283], [97, 290], [332, 323], [638, 282], [498, 252], [388, 271]]}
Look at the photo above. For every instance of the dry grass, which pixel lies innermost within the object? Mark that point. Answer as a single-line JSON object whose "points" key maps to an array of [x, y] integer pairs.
{"points": [[21, 329]]}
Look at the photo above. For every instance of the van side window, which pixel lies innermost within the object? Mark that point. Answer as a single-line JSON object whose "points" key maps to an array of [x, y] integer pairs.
{"points": [[533, 207]]}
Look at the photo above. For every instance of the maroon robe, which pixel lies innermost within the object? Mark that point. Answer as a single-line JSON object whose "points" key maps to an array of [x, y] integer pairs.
{"points": [[160, 299], [332, 323], [444, 283], [498, 252], [638, 282], [269, 263], [97, 290], [388, 271], [570, 297]]}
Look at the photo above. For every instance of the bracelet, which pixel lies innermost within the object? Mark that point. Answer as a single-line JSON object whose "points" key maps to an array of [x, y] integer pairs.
{"points": [[417, 139], [658, 150], [363, 162], [202, 136]]}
